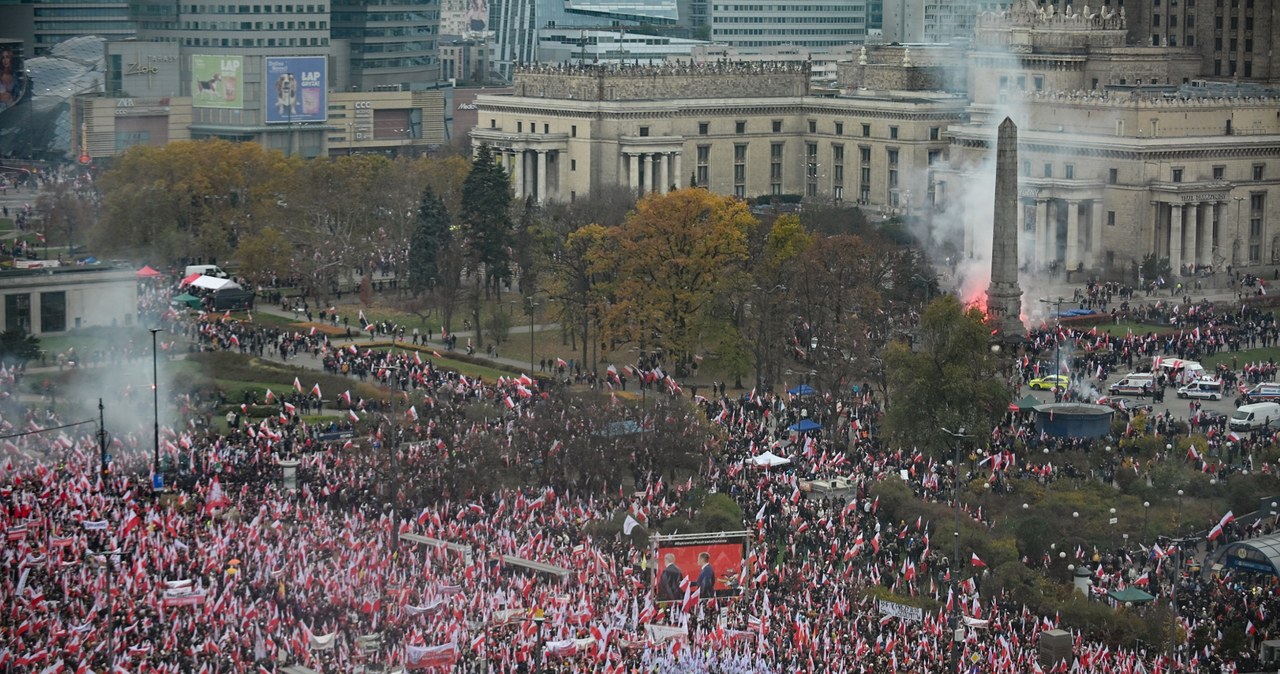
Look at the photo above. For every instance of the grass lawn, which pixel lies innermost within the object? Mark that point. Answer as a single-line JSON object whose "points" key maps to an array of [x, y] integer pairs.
{"points": [[1122, 328], [1242, 357], [469, 370]]}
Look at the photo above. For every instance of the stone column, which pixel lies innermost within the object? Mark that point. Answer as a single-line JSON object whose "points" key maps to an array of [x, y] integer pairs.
{"points": [[651, 185], [677, 171], [541, 196], [1095, 238], [633, 172], [663, 182], [1175, 238], [1043, 246], [1073, 235], [1195, 230], [519, 173]]}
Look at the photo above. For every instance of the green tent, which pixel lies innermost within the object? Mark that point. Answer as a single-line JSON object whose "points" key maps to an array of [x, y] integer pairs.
{"points": [[1028, 403], [1130, 595], [191, 301]]}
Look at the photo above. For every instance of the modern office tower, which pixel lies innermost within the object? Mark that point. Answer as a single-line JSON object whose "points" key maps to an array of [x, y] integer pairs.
{"points": [[767, 23], [55, 21], [392, 42], [933, 21]]}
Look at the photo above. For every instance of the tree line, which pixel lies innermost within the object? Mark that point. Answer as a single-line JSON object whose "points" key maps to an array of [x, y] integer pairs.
{"points": [[814, 295]]}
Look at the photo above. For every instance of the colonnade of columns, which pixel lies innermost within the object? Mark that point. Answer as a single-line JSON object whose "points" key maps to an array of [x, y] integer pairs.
{"points": [[652, 171], [1193, 230], [1083, 235], [528, 177]]}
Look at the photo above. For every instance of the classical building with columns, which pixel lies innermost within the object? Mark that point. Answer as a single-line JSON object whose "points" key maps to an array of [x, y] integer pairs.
{"points": [[1122, 154], [747, 129]]}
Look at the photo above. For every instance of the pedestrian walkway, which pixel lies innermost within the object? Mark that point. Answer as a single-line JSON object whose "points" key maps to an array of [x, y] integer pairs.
{"points": [[362, 338]]}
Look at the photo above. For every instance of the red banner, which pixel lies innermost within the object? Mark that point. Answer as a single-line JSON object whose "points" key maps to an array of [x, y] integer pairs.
{"points": [[416, 657]]}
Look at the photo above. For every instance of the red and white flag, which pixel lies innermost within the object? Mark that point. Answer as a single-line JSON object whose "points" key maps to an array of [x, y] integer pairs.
{"points": [[297, 385], [1216, 531], [976, 561]]}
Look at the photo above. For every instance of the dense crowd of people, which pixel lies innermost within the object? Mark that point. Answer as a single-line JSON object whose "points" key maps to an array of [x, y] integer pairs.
{"points": [[383, 555]]}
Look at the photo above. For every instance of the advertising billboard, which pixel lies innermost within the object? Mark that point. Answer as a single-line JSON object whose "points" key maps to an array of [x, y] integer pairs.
{"points": [[216, 81], [296, 89], [725, 556], [12, 74]]}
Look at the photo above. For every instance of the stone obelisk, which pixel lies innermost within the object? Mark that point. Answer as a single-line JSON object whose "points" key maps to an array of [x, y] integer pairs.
{"points": [[1004, 297]]}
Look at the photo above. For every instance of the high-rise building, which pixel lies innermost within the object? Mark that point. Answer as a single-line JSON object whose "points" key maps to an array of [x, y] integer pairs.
{"points": [[294, 29], [392, 42], [55, 21], [933, 21], [789, 22], [1234, 38], [516, 23]]}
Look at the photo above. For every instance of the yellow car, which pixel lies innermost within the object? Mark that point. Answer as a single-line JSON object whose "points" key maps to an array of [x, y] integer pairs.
{"points": [[1048, 383]]}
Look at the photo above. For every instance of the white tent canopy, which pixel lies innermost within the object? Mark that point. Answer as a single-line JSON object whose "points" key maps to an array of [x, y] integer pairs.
{"points": [[214, 283], [769, 460]]}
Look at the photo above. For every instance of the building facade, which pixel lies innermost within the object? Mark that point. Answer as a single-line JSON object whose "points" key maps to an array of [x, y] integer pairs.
{"points": [[55, 300], [392, 43], [1122, 154], [393, 122], [933, 21], [772, 23], [742, 129]]}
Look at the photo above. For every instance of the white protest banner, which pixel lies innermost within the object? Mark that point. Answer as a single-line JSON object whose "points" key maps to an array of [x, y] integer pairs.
{"points": [[661, 633], [901, 611]]}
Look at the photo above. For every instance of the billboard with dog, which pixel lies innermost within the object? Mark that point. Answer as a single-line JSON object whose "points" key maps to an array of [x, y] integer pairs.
{"points": [[296, 89], [216, 81]]}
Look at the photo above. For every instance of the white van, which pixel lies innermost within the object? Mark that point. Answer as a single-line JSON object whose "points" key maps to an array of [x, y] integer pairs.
{"points": [[1181, 371], [1255, 416], [205, 270], [1203, 388], [1132, 384]]}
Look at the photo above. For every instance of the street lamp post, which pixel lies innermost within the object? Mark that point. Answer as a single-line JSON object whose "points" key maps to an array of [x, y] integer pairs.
{"points": [[1177, 573], [530, 305], [155, 410], [957, 436]]}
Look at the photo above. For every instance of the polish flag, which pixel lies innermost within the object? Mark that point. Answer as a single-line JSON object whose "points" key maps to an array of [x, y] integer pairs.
{"points": [[290, 408], [345, 398], [974, 560], [297, 385], [315, 390], [1143, 580], [413, 412], [351, 414], [1217, 529], [270, 396]]}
